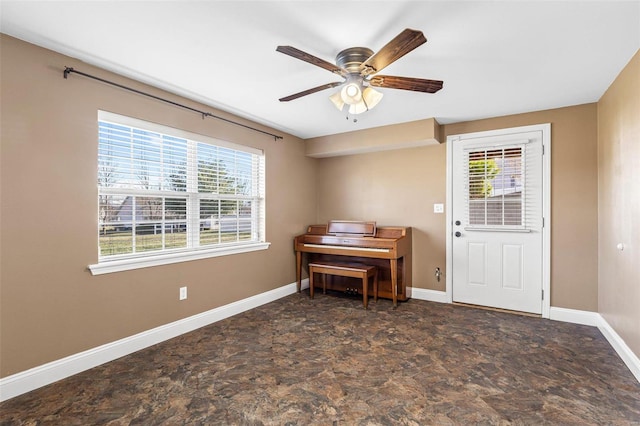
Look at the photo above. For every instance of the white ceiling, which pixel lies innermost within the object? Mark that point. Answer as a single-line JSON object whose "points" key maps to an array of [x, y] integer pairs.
{"points": [[495, 57]]}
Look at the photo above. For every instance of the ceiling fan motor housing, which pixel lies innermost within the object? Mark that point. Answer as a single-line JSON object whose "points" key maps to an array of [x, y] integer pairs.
{"points": [[351, 58]]}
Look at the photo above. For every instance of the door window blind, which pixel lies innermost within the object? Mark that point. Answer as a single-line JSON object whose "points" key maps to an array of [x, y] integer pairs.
{"points": [[498, 193]]}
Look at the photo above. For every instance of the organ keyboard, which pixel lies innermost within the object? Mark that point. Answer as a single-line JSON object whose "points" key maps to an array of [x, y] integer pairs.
{"points": [[388, 248]]}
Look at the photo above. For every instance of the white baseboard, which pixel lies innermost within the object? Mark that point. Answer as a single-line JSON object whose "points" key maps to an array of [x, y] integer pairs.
{"points": [[595, 319], [43, 375], [630, 359], [34, 378], [427, 294], [574, 316]]}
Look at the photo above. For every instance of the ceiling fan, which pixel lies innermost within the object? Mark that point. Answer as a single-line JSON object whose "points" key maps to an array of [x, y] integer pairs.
{"points": [[358, 66]]}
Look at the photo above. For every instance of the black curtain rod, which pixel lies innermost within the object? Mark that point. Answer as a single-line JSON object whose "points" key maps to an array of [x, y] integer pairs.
{"points": [[69, 70]]}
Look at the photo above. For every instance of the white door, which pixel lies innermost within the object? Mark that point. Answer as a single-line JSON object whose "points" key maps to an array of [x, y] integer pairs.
{"points": [[497, 220]]}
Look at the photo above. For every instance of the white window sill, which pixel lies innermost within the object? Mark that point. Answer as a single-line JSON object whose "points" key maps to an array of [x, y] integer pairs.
{"points": [[169, 258]]}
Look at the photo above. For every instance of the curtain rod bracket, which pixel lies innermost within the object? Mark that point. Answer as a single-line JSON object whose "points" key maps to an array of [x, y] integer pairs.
{"points": [[204, 114]]}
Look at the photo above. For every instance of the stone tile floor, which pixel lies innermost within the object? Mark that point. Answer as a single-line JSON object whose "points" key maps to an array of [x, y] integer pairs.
{"points": [[327, 361]]}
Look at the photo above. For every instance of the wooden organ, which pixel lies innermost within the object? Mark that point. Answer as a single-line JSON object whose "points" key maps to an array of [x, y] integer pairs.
{"points": [[386, 247]]}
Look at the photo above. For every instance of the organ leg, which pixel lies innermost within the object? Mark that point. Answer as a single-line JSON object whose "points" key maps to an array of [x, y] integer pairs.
{"points": [[298, 270], [394, 281]]}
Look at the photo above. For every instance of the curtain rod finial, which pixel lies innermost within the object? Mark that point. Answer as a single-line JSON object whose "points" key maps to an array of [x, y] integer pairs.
{"points": [[67, 70]]}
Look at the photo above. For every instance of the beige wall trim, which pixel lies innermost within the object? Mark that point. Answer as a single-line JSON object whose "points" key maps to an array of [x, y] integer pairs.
{"points": [[34, 378], [394, 136], [597, 320]]}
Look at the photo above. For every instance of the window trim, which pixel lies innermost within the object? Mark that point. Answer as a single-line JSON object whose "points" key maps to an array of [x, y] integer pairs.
{"points": [[171, 256]]}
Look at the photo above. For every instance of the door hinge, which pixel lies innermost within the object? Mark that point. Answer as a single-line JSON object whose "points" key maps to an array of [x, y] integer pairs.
{"points": [[542, 294], [543, 222]]}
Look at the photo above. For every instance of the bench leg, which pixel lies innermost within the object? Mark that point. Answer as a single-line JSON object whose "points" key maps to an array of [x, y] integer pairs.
{"points": [[311, 274], [375, 287], [365, 290]]}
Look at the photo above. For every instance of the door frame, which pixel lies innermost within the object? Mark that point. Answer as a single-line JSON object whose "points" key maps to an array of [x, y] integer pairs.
{"points": [[546, 204]]}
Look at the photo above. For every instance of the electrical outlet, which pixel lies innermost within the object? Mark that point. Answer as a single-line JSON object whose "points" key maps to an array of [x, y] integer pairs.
{"points": [[183, 293], [438, 208]]}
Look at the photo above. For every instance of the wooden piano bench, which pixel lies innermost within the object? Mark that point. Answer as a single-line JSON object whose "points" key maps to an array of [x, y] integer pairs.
{"points": [[356, 270]]}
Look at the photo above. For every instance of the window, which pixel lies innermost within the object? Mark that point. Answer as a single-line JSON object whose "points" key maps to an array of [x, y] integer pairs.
{"points": [[495, 187], [165, 195]]}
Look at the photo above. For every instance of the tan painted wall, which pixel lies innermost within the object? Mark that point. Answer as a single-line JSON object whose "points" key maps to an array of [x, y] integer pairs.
{"points": [[394, 136], [619, 204], [400, 188], [51, 306], [392, 188]]}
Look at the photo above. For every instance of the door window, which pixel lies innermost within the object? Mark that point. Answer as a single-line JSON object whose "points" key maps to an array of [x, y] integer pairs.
{"points": [[495, 187]]}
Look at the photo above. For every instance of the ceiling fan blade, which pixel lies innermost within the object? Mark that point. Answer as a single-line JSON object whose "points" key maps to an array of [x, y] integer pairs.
{"points": [[406, 83], [402, 44], [310, 91], [304, 56]]}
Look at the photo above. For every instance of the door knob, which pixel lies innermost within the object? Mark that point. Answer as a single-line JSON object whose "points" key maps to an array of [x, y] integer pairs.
{"points": [[458, 234]]}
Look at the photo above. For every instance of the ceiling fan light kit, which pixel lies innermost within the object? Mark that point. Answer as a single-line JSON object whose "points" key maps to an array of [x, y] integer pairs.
{"points": [[358, 99], [371, 97], [351, 93], [358, 67], [336, 98]]}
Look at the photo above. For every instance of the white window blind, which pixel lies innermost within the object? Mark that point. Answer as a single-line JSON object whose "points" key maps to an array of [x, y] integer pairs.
{"points": [[162, 190], [499, 193]]}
